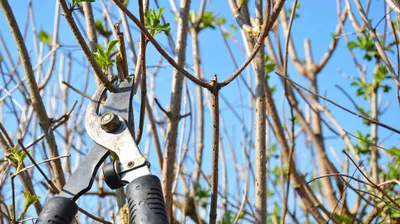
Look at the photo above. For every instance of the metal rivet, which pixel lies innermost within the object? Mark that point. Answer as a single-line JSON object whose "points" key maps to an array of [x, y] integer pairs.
{"points": [[109, 122], [130, 164]]}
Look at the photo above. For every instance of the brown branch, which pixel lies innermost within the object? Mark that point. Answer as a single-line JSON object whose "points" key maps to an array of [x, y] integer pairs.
{"points": [[67, 13], [378, 44], [44, 161], [333, 45], [54, 47], [122, 51], [25, 179], [215, 149], [176, 99], [142, 67], [53, 186], [159, 48], [341, 107], [167, 113], [266, 27], [372, 183], [291, 48], [342, 194], [285, 64], [154, 133], [36, 98], [340, 175], [200, 109], [396, 38], [76, 90], [58, 122], [5, 134]]}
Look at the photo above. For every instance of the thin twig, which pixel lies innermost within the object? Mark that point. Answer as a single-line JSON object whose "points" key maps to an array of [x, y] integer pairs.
{"points": [[343, 193], [340, 175], [389, 182], [53, 186], [341, 107], [67, 13], [5, 134], [167, 113], [285, 64], [60, 121], [44, 161], [76, 90], [377, 43], [35, 95], [267, 26], [372, 183], [95, 218], [159, 48], [369, 143]]}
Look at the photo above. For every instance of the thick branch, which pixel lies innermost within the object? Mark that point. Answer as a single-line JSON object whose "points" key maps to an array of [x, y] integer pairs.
{"points": [[67, 13], [36, 99]]}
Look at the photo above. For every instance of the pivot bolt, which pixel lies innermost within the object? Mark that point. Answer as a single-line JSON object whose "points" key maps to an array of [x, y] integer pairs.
{"points": [[109, 122]]}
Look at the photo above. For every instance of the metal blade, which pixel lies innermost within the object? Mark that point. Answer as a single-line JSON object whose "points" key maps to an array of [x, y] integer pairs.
{"points": [[82, 178]]}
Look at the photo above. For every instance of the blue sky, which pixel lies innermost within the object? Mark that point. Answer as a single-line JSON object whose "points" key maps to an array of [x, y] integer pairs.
{"points": [[317, 21]]}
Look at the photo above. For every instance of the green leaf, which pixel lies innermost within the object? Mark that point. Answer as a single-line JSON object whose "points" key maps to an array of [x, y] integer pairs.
{"points": [[220, 21], [99, 26], [103, 58], [394, 151], [297, 7], [30, 199], [202, 195], [272, 89], [360, 92], [207, 20], [44, 37], [16, 157], [367, 57], [233, 28], [351, 45], [354, 83], [393, 171], [227, 35], [11, 210], [386, 88], [110, 47], [364, 142], [269, 65], [379, 77], [275, 215], [343, 219], [153, 22], [76, 2], [80, 1], [101, 51], [242, 2]]}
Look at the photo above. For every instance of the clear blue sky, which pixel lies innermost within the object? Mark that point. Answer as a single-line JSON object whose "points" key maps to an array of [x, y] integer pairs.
{"points": [[317, 21]]}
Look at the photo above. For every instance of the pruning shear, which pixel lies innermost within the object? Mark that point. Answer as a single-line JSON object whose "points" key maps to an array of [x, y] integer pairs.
{"points": [[110, 133]]}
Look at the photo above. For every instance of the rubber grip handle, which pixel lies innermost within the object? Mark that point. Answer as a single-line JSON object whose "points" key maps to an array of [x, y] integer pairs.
{"points": [[58, 210], [146, 201]]}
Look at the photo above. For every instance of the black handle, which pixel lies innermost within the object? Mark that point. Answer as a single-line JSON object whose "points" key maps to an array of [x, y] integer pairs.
{"points": [[58, 210], [146, 201]]}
